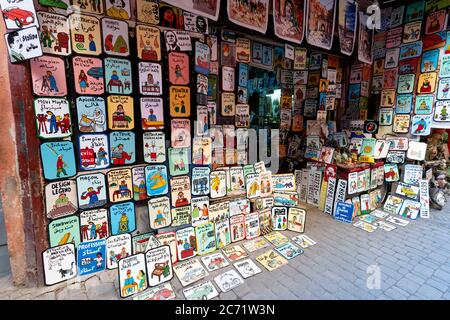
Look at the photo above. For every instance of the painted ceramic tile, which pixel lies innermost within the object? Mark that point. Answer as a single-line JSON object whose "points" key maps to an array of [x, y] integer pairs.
{"points": [[23, 44], [397, 16], [289, 251], [276, 238], [94, 225], [118, 76], [150, 79], [391, 172], [115, 37], [234, 253], [88, 75], [179, 102], [199, 210], [408, 191], [252, 229], [91, 190], [202, 121], [443, 88], [424, 104], [435, 22], [228, 280], [202, 58], [159, 263], [237, 227], [409, 66], [169, 239], [415, 11], [59, 263], [405, 83], [195, 23], [411, 31], [243, 50], [427, 82], [200, 180], [148, 41], [394, 37], [228, 104], [218, 184], [401, 123], [147, 11], [91, 257], [201, 151], [118, 9], [391, 59], [64, 230], [206, 242], [180, 191], [58, 160], [88, 7], [181, 216], [296, 220], [271, 260], [222, 231], [178, 68], [52, 118], [85, 34], [132, 275], [445, 64], [186, 243], [202, 291], [397, 221], [60, 199], [211, 41], [94, 152], [279, 218], [180, 133], [54, 33], [253, 185], [120, 112], [154, 147], [120, 184], [386, 116], [48, 76], [117, 247], [228, 78], [303, 241], [404, 103], [239, 206], [390, 78], [152, 113], [441, 111], [190, 271], [18, 15], [410, 209], [177, 40], [178, 161], [421, 125], [429, 61], [122, 218], [122, 145], [410, 50], [159, 212], [91, 113]]}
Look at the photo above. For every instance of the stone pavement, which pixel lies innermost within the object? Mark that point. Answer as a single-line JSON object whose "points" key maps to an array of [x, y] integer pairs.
{"points": [[413, 263]]}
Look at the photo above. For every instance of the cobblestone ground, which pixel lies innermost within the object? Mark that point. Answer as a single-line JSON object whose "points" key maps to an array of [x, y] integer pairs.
{"points": [[413, 261]]}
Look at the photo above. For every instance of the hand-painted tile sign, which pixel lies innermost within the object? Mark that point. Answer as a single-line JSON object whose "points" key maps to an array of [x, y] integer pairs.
{"points": [[52, 118], [91, 257], [60, 198], [91, 190], [64, 230], [58, 160], [59, 263], [159, 265]]}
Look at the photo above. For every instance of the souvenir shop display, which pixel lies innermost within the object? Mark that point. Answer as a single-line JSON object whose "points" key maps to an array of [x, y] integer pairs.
{"points": [[173, 147]]}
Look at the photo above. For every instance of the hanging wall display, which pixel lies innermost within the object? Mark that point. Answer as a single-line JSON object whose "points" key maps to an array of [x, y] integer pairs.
{"points": [[347, 23], [288, 19], [365, 40], [320, 28], [249, 14]]}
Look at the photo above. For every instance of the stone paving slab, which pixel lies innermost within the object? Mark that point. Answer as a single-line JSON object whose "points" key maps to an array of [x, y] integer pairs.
{"points": [[412, 262]]}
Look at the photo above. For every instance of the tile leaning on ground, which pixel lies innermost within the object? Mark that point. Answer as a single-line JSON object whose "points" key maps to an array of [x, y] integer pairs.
{"points": [[335, 268]]}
